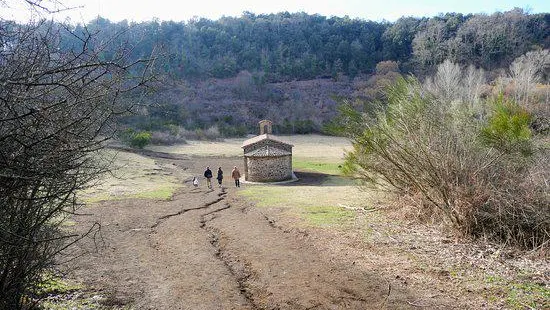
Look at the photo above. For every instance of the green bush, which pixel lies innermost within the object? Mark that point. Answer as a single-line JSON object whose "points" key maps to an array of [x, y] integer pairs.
{"points": [[140, 140], [508, 127]]}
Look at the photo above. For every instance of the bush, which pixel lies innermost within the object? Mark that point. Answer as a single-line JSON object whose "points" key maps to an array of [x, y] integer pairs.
{"points": [[166, 138], [231, 130], [171, 135], [508, 127], [444, 153], [140, 139], [210, 134]]}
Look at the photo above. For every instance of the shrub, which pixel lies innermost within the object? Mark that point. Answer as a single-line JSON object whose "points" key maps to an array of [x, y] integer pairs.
{"points": [[444, 153], [140, 139], [210, 134], [166, 138], [171, 135], [508, 127]]}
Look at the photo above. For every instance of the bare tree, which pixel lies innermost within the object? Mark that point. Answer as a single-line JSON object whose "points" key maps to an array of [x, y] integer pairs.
{"points": [[56, 111], [446, 82], [472, 84], [429, 46], [526, 71]]}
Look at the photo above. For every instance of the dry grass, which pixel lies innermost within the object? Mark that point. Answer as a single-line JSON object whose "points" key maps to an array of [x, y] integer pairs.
{"points": [[318, 147], [227, 148], [330, 149], [331, 204], [133, 176], [136, 176]]}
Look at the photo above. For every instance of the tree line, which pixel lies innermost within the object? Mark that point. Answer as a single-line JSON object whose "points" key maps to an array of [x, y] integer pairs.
{"points": [[289, 46]]}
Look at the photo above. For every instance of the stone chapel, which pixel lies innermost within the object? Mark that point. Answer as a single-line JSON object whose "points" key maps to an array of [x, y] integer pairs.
{"points": [[266, 158]]}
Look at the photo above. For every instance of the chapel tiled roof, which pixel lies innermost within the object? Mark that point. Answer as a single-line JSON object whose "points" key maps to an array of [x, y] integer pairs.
{"points": [[263, 137], [267, 151]]}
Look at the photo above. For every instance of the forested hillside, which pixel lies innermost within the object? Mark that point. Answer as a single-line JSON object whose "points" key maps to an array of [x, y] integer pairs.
{"points": [[228, 72], [290, 46]]}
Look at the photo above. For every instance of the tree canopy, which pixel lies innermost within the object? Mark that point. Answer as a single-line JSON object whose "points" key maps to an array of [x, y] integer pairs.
{"points": [[289, 46]]}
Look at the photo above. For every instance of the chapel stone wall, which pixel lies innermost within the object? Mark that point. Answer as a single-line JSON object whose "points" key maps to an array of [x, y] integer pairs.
{"points": [[269, 169]]}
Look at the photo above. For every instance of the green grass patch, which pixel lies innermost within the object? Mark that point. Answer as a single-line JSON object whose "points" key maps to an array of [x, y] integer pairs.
{"points": [[519, 295], [56, 293], [52, 284], [535, 296], [327, 216], [302, 201], [315, 165], [51, 304], [339, 181], [318, 205], [265, 196], [160, 192], [133, 176]]}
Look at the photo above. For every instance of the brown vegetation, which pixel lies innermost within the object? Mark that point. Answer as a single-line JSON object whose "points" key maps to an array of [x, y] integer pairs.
{"points": [[473, 161]]}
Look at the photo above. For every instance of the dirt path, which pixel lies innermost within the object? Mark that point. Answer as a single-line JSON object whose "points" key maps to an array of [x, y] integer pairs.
{"points": [[206, 249]]}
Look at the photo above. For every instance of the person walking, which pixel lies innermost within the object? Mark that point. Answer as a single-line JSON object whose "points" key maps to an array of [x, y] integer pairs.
{"points": [[220, 177], [208, 176], [236, 175]]}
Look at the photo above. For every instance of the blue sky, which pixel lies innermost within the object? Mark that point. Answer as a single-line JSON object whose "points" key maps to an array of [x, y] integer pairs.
{"points": [[183, 10]]}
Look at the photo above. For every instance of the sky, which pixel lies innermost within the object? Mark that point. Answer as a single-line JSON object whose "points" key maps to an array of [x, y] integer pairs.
{"points": [[183, 10]]}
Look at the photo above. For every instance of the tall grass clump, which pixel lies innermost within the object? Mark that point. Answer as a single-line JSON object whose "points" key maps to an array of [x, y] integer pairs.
{"points": [[474, 165]]}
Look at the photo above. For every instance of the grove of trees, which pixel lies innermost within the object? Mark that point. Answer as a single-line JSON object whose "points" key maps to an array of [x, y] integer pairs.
{"points": [[256, 54], [290, 46]]}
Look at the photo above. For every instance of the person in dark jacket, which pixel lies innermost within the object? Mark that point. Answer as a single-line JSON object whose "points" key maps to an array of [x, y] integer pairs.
{"points": [[220, 177], [208, 176], [235, 174]]}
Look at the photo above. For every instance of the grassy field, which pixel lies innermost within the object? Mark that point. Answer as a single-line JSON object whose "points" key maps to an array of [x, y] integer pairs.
{"points": [[313, 147], [331, 204], [227, 148], [136, 176], [133, 176]]}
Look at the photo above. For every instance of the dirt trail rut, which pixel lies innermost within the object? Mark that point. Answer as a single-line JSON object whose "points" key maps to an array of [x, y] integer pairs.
{"points": [[205, 250]]}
